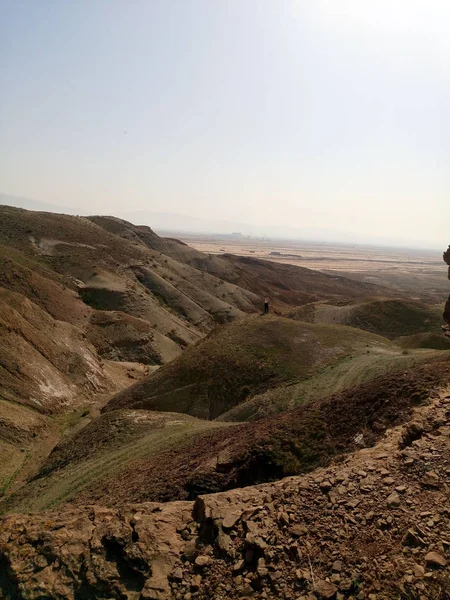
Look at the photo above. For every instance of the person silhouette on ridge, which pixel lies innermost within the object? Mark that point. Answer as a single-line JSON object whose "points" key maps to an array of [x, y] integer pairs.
{"points": [[266, 305]]}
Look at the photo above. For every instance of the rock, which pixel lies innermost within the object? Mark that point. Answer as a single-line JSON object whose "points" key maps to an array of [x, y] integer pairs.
{"points": [[303, 575], [325, 589], [434, 560], [231, 518], [298, 530], [251, 526], [247, 590], [431, 479], [177, 574], [255, 541], [224, 543], [196, 582], [446, 315], [283, 518], [262, 570], [325, 486], [238, 566], [393, 500], [337, 566], [418, 570], [190, 550], [345, 585], [413, 539], [201, 561]]}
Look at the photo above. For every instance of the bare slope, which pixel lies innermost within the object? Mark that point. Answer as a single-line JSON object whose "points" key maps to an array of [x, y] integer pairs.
{"points": [[44, 363], [109, 272], [82, 302], [287, 285], [47, 369], [391, 318], [240, 360]]}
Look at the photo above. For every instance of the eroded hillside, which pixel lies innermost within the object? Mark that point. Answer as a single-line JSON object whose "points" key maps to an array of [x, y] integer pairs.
{"points": [[89, 305], [140, 455], [201, 394]]}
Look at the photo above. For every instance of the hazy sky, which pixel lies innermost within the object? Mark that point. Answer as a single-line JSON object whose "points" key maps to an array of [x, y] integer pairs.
{"points": [[308, 113]]}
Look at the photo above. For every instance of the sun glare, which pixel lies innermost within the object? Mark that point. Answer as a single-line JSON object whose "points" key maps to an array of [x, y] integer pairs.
{"points": [[389, 16]]}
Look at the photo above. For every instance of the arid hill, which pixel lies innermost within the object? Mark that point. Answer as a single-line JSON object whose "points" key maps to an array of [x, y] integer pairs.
{"points": [[134, 369], [284, 284], [89, 305], [391, 318], [242, 359]]}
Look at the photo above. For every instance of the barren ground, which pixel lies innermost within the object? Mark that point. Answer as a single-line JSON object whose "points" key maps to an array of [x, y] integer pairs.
{"points": [[410, 270]]}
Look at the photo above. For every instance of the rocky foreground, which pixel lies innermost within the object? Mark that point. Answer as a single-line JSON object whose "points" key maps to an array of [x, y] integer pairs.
{"points": [[375, 526]]}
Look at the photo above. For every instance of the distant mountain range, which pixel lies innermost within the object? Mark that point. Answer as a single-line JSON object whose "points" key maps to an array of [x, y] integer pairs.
{"points": [[174, 223], [28, 204]]}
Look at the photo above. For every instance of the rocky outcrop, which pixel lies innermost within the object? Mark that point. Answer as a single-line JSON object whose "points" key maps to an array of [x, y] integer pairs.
{"points": [[446, 315], [374, 527], [92, 553]]}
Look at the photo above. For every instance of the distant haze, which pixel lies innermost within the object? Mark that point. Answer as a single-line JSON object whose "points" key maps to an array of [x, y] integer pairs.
{"points": [[176, 224], [324, 119]]}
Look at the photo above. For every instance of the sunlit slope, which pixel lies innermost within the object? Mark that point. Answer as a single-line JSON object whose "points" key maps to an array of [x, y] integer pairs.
{"points": [[286, 285], [390, 318], [349, 371], [242, 359]]}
